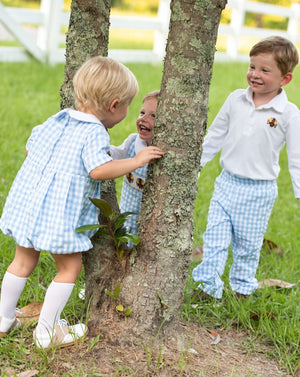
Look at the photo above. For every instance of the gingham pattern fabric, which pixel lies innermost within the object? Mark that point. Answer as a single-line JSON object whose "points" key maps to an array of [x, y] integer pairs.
{"points": [[130, 197], [49, 197], [239, 213]]}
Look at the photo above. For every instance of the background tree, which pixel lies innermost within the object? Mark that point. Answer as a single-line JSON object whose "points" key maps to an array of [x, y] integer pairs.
{"points": [[152, 279], [87, 36]]}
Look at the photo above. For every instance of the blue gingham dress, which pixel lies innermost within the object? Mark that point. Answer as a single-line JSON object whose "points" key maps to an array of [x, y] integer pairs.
{"points": [[133, 183], [49, 196]]}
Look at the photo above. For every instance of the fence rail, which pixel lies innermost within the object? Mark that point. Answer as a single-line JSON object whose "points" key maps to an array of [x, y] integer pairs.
{"points": [[39, 32]]}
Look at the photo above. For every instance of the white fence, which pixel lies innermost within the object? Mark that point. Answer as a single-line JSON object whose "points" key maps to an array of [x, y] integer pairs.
{"points": [[39, 32]]}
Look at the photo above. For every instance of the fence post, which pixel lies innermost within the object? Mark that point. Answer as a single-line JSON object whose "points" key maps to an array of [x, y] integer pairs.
{"points": [[49, 34], [236, 24], [293, 24], [160, 37]]}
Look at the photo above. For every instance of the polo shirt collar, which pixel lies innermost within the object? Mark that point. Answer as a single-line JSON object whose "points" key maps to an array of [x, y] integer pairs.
{"points": [[278, 103]]}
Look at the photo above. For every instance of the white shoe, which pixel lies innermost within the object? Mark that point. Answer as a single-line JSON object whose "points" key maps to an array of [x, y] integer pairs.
{"points": [[62, 335], [7, 325], [81, 294]]}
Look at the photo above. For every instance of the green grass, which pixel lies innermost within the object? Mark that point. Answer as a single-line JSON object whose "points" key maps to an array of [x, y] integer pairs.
{"points": [[30, 93]]}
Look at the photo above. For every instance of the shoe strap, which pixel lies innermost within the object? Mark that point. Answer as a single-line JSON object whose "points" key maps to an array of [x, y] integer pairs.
{"points": [[62, 328]]}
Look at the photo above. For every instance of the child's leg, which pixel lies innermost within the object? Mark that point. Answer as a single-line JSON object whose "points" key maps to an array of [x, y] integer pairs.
{"points": [[50, 330], [14, 282], [250, 221], [59, 291], [216, 240]]}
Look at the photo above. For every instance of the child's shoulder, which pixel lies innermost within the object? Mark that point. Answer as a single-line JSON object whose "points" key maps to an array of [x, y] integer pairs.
{"points": [[130, 138]]}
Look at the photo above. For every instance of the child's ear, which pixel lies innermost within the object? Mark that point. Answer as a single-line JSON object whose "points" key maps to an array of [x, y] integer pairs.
{"points": [[286, 78], [113, 105]]}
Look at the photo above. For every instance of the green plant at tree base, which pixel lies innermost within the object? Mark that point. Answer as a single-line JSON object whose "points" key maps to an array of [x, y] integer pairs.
{"points": [[119, 308], [114, 228]]}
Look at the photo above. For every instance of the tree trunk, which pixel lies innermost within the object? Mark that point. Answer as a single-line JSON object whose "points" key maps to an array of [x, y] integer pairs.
{"points": [[155, 277], [87, 36]]}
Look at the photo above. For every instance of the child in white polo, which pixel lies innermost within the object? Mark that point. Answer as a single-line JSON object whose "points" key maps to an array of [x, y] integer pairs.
{"points": [[251, 128]]}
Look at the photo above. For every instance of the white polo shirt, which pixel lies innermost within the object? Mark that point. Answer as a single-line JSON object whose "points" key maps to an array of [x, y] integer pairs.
{"points": [[251, 138]]}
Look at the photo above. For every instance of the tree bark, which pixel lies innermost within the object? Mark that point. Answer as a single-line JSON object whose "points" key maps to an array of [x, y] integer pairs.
{"points": [[153, 277], [87, 36], [154, 287]]}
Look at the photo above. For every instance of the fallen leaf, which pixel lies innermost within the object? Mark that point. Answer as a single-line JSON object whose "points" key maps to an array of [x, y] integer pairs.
{"points": [[214, 333], [197, 253], [10, 371], [275, 283], [216, 340], [270, 245], [30, 313], [28, 373]]}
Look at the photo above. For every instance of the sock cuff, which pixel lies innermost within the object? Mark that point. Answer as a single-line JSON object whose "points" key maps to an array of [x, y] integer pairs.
{"points": [[65, 284], [9, 274]]}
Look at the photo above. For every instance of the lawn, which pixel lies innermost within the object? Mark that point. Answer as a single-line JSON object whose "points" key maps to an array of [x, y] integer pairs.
{"points": [[30, 94]]}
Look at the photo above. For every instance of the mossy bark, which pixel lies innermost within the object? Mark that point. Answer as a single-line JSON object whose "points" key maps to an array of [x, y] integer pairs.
{"points": [[153, 277], [154, 288], [87, 36]]}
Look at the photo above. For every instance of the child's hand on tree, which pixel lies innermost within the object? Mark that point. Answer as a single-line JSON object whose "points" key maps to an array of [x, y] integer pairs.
{"points": [[147, 155]]}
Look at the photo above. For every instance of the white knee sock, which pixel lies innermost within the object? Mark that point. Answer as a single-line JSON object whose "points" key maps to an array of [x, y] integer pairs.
{"points": [[11, 289], [56, 298]]}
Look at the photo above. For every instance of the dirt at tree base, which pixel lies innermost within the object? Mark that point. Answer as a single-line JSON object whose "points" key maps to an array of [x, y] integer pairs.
{"points": [[195, 351]]}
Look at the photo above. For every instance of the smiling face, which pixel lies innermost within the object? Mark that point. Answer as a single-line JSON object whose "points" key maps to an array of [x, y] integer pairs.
{"points": [[145, 121], [265, 78]]}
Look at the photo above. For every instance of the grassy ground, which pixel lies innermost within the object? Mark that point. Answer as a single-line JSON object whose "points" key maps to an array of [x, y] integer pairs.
{"points": [[30, 93]]}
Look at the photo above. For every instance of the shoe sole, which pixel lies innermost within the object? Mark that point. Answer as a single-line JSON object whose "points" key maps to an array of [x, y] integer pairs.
{"points": [[65, 345], [14, 326]]}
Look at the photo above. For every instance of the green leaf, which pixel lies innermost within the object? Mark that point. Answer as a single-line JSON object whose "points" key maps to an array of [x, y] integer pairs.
{"points": [[134, 238], [127, 312], [102, 232], [104, 207], [121, 253], [129, 238], [120, 232], [83, 228], [109, 293], [120, 308], [120, 220], [117, 291]]}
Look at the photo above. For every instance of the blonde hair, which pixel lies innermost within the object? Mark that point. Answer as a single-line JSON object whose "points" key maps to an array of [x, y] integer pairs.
{"points": [[100, 80], [155, 94], [284, 51]]}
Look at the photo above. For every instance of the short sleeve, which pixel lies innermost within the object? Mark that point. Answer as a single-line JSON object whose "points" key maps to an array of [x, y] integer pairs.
{"points": [[121, 152], [96, 148], [32, 137]]}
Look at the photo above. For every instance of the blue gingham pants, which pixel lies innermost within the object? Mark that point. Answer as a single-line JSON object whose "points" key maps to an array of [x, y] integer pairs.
{"points": [[239, 213]]}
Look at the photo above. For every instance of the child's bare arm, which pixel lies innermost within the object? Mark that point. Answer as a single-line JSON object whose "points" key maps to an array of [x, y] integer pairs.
{"points": [[117, 168], [299, 201]]}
